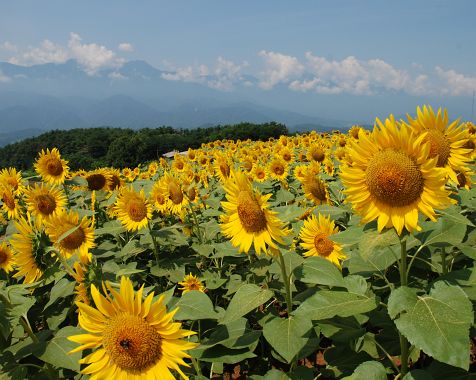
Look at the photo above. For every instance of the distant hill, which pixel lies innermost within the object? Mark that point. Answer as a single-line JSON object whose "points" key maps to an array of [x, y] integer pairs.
{"points": [[62, 96]]}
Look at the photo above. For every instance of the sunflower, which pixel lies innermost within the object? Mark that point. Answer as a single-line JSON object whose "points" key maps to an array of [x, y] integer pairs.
{"points": [[315, 235], [317, 152], [51, 167], [9, 177], [44, 201], [287, 155], [29, 248], [391, 178], [278, 169], [115, 180], [248, 219], [98, 179], [81, 290], [259, 173], [132, 338], [191, 282], [70, 235], [176, 200], [11, 205], [132, 209], [354, 132], [158, 197], [7, 261], [222, 168], [447, 142], [315, 189]]}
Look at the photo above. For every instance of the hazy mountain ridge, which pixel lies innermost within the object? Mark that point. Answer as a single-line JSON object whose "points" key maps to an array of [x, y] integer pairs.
{"points": [[63, 96]]}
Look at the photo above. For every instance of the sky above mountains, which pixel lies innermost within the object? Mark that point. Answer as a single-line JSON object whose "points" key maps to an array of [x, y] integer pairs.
{"points": [[395, 54]]}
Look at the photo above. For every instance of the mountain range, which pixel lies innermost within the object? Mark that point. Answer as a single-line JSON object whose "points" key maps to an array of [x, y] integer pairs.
{"points": [[38, 98]]}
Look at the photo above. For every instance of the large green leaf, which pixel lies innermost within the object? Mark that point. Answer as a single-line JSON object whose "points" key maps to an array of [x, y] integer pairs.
{"points": [[236, 334], [371, 370], [437, 323], [444, 233], [56, 350], [62, 288], [195, 305], [317, 270], [247, 298], [287, 335], [327, 304]]}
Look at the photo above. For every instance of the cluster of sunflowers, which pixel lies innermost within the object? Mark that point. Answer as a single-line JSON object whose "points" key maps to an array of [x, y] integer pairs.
{"points": [[390, 175]]}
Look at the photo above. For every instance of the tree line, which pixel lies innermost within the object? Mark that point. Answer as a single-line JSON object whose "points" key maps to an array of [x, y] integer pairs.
{"points": [[105, 146]]}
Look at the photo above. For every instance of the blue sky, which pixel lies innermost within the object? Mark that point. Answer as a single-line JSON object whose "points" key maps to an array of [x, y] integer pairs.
{"points": [[328, 48]]}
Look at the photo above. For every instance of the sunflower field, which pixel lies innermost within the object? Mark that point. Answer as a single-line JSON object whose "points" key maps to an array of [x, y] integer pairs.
{"points": [[315, 256]]}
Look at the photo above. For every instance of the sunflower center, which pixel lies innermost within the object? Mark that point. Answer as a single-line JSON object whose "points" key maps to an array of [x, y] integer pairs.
{"points": [[317, 189], [9, 201], [192, 193], [54, 166], [318, 155], [115, 182], [175, 193], [278, 169], [46, 203], [324, 246], [394, 178], [225, 169], [137, 210], [12, 182], [251, 215], [179, 165], [287, 157], [260, 174], [439, 146], [96, 181], [132, 344], [3, 256]]}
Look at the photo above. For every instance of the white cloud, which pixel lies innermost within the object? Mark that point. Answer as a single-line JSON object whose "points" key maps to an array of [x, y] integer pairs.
{"points": [[223, 76], [47, 52], [116, 75], [125, 46], [455, 83], [8, 46], [92, 57], [279, 68]]}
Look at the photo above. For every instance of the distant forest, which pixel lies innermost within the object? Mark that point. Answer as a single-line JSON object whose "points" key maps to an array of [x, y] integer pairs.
{"points": [[97, 147]]}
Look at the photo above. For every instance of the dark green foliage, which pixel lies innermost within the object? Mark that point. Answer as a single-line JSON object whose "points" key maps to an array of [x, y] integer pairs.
{"points": [[96, 147]]}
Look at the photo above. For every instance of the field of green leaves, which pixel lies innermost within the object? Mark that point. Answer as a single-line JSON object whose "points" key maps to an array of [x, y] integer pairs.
{"points": [[317, 256]]}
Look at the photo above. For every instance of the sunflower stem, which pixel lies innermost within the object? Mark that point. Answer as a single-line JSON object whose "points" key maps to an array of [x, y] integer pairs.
{"points": [[286, 281], [404, 348], [154, 242], [197, 226], [26, 326], [444, 264], [67, 267]]}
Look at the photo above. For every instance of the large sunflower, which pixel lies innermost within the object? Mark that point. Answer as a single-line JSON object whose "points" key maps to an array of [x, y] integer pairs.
{"points": [[30, 256], [392, 178], [132, 209], [11, 178], [44, 201], [51, 167], [132, 338], [248, 219], [71, 235], [315, 239], [447, 142], [6, 258]]}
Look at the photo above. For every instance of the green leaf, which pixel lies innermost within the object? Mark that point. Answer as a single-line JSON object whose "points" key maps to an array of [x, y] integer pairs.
{"points": [[326, 304], [443, 233], [247, 298], [371, 370], [62, 288], [132, 248], [418, 374], [373, 239], [195, 305], [287, 335], [291, 261], [223, 354], [332, 211], [56, 351], [453, 214], [437, 323], [317, 270]]}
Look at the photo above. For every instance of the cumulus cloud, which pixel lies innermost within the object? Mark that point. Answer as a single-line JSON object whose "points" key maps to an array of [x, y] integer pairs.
{"points": [[223, 76], [126, 47], [455, 83], [279, 68], [92, 57], [8, 46]]}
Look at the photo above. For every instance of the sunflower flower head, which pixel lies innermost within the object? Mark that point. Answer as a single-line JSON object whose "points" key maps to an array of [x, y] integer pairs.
{"points": [[51, 167], [248, 219], [7, 261], [131, 338], [392, 178], [191, 282], [132, 208]]}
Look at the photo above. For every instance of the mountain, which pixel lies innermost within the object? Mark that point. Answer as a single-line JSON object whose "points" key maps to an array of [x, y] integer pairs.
{"points": [[135, 95]]}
